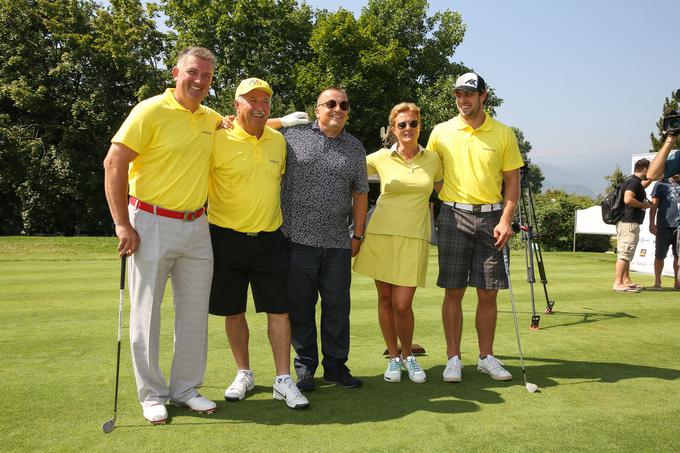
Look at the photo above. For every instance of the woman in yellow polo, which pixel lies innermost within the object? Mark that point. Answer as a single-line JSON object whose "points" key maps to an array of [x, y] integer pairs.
{"points": [[395, 249]]}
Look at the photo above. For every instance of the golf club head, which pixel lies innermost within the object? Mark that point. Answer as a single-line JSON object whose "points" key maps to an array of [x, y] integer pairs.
{"points": [[531, 388], [109, 426]]}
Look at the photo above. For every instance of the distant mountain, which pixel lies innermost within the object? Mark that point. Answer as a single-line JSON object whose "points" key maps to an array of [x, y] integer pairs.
{"points": [[582, 173], [575, 181]]}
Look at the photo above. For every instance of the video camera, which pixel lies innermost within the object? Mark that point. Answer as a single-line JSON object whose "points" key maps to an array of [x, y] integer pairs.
{"points": [[671, 123], [671, 119]]}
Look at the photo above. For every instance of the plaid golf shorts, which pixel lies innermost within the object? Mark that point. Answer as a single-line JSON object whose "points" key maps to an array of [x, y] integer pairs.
{"points": [[467, 254]]}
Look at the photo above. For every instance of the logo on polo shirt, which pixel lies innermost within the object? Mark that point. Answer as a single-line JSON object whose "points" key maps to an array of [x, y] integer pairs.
{"points": [[206, 132]]}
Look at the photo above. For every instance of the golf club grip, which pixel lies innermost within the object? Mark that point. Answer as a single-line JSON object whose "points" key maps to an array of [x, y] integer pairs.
{"points": [[122, 272]]}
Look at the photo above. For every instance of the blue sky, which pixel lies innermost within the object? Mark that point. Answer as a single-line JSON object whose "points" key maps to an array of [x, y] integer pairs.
{"points": [[584, 80]]}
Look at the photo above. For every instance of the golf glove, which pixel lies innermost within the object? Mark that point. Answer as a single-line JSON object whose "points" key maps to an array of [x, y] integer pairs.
{"points": [[294, 119]]}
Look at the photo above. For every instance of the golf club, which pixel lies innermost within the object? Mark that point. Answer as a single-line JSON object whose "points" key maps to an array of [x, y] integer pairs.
{"points": [[531, 388], [111, 424]]}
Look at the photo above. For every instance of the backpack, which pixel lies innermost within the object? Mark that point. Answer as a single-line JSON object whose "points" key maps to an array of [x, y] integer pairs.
{"points": [[613, 206]]}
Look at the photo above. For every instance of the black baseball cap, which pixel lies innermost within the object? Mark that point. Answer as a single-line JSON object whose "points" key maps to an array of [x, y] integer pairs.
{"points": [[470, 82]]}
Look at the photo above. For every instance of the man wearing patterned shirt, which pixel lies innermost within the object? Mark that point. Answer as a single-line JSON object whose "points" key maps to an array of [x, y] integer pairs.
{"points": [[325, 180]]}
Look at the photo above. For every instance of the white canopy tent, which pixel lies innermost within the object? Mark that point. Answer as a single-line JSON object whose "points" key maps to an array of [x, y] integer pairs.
{"points": [[589, 221]]}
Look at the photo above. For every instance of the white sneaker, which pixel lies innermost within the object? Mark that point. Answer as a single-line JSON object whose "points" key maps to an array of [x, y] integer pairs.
{"points": [[244, 382], [286, 390], [393, 371], [156, 414], [415, 372], [201, 405], [494, 368], [454, 370]]}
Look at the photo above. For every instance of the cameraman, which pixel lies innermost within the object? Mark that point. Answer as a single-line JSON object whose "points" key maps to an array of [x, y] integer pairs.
{"points": [[663, 167], [628, 228]]}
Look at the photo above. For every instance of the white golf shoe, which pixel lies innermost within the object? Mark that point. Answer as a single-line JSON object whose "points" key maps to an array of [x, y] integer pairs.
{"points": [[415, 372], [244, 382], [201, 405], [494, 368], [454, 370], [286, 390], [156, 414], [393, 371]]}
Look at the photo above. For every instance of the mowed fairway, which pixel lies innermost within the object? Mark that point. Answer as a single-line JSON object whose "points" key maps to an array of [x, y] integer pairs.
{"points": [[607, 365]]}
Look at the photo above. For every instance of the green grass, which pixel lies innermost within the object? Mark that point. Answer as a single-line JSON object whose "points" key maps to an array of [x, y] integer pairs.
{"points": [[606, 364]]}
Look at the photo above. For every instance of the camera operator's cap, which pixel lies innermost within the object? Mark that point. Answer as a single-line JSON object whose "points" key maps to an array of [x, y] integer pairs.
{"points": [[253, 83], [470, 82]]}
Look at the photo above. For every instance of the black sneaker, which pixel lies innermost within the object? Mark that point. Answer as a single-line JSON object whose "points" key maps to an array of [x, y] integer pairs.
{"points": [[306, 383], [341, 377]]}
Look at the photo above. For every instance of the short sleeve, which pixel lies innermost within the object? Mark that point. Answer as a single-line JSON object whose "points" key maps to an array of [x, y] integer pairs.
{"points": [[512, 158], [371, 163], [136, 131], [672, 166]]}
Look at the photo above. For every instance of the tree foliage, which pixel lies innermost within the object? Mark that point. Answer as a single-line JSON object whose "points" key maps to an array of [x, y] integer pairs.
{"points": [[614, 180], [72, 71], [670, 104], [250, 38]]}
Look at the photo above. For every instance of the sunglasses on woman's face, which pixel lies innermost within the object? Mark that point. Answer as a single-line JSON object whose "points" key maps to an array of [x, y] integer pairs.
{"points": [[344, 105], [402, 125]]}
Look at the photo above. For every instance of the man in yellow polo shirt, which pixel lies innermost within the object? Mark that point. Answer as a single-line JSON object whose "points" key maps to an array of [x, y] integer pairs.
{"points": [[162, 151], [478, 153], [244, 211]]}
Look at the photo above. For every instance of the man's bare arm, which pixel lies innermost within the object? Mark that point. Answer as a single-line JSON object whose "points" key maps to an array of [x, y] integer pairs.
{"points": [[116, 187]]}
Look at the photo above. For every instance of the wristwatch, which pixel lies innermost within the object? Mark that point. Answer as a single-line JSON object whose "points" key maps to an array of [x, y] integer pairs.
{"points": [[358, 238]]}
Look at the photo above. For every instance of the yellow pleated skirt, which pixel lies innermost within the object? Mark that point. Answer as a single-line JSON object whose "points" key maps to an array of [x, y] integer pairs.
{"points": [[393, 259]]}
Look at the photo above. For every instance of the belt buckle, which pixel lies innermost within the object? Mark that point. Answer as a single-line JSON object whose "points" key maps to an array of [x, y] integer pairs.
{"points": [[476, 208], [188, 216], [252, 235]]}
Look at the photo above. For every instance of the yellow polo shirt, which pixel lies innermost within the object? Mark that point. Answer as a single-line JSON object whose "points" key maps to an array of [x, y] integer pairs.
{"points": [[244, 188], [403, 208], [474, 159], [174, 147]]}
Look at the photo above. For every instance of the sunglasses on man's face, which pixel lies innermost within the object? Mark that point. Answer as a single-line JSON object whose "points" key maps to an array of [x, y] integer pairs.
{"points": [[344, 105], [402, 125]]}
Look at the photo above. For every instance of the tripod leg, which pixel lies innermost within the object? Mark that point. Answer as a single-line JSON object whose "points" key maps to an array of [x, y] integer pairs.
{"points": [[535, 319], [539, 254]]}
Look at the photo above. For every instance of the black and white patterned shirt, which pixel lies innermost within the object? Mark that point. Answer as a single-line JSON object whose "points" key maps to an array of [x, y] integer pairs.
{"points": [[316, 193]]}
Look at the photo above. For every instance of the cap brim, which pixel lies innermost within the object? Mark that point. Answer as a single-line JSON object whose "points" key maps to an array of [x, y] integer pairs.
{"points": [[268, 91], [466, 88]]}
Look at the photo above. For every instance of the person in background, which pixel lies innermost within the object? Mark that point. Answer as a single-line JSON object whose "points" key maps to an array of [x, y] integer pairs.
{"points": [[663, 223], [628, 228], [395, 249]]}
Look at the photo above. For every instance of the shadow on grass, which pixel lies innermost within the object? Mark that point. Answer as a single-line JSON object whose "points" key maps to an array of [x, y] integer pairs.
{"points": [[578, 317], [550, 371], [378, 401]]}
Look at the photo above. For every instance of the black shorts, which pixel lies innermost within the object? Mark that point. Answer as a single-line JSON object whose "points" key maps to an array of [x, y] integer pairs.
{"points": [[467, 252], [241, 259], [665, 238]]}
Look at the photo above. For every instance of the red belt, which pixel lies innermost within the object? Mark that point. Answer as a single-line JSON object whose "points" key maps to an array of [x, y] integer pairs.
{"points": [[181, 215]]}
